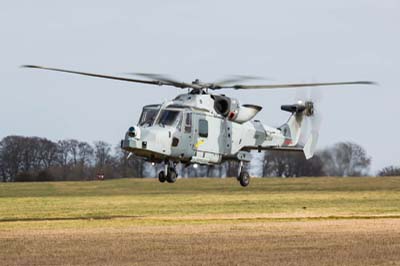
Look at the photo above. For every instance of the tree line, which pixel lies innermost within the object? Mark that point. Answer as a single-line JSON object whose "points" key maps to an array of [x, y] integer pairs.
{"points": [[341, 159], [39, 159]]}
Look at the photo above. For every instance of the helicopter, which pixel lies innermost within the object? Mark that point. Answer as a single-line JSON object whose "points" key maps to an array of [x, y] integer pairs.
{"points": [[202, 127]]}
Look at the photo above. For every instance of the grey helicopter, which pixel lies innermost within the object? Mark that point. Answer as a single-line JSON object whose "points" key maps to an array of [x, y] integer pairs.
{"points": [[201, 127]]}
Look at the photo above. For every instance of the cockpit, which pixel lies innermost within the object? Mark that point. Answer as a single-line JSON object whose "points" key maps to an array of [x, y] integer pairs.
{"points": [[152, 115]]}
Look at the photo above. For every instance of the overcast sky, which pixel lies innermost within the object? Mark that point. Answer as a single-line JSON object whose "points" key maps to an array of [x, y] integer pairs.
{"points": [[284, 41]]}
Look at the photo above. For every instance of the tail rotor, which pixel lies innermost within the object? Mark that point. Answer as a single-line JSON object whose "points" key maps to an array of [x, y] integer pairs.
{"points": [[311, 99]]}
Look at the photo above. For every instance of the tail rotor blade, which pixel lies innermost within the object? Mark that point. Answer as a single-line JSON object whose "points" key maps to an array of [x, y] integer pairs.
{"points": [[311, 123], [311, 145]]}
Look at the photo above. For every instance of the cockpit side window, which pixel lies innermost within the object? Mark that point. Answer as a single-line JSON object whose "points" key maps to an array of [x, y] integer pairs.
{"points": [[148, 116], [168, 117]]}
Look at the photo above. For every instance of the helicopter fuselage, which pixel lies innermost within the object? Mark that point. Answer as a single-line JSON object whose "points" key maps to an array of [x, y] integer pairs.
{"points": [[200, 128]]}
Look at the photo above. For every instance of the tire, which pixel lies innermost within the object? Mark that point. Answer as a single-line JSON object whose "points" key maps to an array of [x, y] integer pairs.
{"points": [[244, 179], [161, 177], [171, 176]]}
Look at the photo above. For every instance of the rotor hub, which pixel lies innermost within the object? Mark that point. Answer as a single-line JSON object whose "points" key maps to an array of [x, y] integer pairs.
{"points": [[309, 111]]}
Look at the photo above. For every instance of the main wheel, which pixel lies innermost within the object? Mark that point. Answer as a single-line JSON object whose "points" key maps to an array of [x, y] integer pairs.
{"points": [[161, 177], [171, 176], [244, 179]]}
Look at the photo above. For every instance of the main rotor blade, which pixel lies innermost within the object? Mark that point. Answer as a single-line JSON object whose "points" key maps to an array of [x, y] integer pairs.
{"points": [[164, 78], [296, 85], [234, 78], [152, 82]]}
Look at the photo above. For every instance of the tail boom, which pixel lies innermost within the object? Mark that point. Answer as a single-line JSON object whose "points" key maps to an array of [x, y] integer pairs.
{"points": [[291, 136]]}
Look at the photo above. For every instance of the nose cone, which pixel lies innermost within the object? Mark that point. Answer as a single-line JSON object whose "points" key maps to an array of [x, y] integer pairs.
{"points": [[148, 141]]}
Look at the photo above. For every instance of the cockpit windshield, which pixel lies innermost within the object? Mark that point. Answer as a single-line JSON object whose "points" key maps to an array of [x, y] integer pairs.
{"points": [[168, 117], [148, 115]]}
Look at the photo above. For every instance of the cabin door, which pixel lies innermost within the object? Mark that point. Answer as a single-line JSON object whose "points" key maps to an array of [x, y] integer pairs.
{"points": [[209, 138], [182, 141]]}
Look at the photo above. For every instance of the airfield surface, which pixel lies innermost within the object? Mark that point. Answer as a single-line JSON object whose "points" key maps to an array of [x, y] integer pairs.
{"points": [[303, 221]]}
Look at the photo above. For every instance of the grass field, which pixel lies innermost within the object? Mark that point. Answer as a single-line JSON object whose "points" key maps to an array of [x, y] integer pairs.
{"points": [[308, 221]]}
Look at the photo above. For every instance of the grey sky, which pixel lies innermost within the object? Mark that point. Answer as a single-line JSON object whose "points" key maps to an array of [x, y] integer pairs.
{"points": [[285, 41]]}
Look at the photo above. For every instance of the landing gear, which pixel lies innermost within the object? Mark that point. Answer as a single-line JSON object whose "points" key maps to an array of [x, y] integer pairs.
{"points": [[171, 174], [244, 177], [161, 177]]}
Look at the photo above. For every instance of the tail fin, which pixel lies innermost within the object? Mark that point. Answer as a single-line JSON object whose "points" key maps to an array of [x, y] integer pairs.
{"points": [[297, 131], [292, 129]]}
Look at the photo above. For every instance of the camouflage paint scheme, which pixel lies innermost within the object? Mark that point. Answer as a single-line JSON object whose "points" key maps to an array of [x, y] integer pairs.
{"points": [[227, 138]]}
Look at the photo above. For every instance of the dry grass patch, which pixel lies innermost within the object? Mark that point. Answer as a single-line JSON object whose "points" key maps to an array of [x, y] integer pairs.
{"points": [[336, 242]]}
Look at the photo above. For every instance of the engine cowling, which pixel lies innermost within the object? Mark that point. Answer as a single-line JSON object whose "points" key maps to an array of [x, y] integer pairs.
{"points": [[230, 108], [222, 104], [244, 113]]}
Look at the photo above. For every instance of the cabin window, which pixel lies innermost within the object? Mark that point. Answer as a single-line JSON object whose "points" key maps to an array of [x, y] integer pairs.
{"points": [[203, 128], [168, 117], [188, 123]]}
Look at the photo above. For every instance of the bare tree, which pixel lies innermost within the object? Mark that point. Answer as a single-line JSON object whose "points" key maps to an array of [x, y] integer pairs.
{"points": [[346, 159], [29, 150], [47, 153], [11, 156], [102, 152], [63, 153], [102, 158], [74, 151], [85, 153]]}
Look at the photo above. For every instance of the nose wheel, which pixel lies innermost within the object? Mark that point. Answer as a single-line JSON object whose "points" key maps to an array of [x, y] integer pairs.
{"points": [[161, 177], [169, 174], [243, 177]]}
